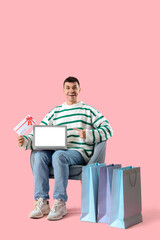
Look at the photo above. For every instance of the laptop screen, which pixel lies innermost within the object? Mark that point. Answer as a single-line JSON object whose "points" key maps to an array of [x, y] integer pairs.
{"points": [[49, 137]]}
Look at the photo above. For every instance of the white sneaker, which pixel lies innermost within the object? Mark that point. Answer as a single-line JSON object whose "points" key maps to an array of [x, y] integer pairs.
{"points": [[58, 210], [41, 208]]}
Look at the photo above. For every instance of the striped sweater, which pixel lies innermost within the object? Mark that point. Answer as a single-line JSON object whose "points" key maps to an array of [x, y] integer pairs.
{"points": [[81, 116]]}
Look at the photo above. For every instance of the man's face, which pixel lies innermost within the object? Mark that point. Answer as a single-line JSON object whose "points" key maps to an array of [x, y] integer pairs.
{"points": [[71, 90]]}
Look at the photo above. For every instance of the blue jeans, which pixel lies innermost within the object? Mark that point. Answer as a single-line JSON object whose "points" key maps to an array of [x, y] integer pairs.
{"points": [[60, 160]]}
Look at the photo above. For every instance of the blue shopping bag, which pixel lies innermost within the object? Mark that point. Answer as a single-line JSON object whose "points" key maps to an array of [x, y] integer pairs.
{"points": [[89, 193], [125, 198], [104, 192]]}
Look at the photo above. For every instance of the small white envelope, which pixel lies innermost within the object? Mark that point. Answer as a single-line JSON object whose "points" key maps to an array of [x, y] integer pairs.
{"points": [[24, 125]]}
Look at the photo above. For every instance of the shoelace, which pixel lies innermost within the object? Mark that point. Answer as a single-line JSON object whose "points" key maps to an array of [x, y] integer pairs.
{"points": [[55, 207], [38, 203]]}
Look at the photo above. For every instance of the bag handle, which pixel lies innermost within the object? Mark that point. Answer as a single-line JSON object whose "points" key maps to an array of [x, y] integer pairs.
{"points": [[133, 185]]}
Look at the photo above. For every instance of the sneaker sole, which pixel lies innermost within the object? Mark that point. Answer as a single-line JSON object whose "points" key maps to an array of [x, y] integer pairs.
{"points": [[40, 216], [58, 218]]}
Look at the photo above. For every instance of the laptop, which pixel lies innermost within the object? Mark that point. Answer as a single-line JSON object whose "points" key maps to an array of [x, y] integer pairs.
{"points": [[49, 137]]}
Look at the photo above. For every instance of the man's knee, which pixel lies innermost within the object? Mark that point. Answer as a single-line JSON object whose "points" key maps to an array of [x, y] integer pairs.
{"points": [[59, 158], [40, 158]]}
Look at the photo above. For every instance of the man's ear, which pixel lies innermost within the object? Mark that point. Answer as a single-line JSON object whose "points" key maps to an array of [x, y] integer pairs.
{"points": [[79, 90]]}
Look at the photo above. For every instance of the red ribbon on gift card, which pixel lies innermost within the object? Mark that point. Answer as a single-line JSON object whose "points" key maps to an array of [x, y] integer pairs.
{"points": [[29, 120]]}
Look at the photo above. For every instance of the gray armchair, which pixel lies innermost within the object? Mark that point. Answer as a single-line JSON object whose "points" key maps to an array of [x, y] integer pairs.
{"points": [[75, 171]]}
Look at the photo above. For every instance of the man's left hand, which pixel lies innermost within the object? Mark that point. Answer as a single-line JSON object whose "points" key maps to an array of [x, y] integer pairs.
{"points": [[82, 133]]}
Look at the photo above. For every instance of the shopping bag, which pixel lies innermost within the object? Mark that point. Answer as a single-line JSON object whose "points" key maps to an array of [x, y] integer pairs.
{"points": [[104, 192], [125, 198], [89, 193]]}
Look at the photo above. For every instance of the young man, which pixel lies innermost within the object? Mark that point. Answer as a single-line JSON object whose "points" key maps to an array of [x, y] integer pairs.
{"points": [[85, 126]]}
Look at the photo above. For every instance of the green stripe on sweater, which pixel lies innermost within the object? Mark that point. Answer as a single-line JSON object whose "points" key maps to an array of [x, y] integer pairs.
{"points": [[44, 123], [106, 121], [93, 136], [51, 117], [70, 109], [108, 130], [31, 142], [81, 143], [72, 136], [75, 122], [91, 107], [99, 135], [27, 140], [55, 108], [97, 120], [25, 137], [70, 129], [70, 115], [104, 133]]}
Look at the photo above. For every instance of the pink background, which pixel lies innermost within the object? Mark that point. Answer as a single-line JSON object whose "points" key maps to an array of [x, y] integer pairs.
{"points": [[113, 48]]}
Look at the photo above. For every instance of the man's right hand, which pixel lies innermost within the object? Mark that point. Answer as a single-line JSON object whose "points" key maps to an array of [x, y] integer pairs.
{"points": [[20, 140]]}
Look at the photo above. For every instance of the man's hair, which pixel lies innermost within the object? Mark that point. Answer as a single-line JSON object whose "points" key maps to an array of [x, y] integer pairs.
{"points": [[71, 80]]}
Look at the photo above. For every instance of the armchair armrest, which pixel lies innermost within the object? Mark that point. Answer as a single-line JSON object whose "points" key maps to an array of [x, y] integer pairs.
{"points": [[99, 153]]}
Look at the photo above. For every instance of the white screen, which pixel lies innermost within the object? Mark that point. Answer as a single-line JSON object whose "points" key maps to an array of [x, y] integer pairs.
{"points": [[49, 136]]}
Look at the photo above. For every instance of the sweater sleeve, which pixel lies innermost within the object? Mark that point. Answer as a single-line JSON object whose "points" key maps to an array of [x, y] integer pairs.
{"points": [[101, 131], [47, 120]]}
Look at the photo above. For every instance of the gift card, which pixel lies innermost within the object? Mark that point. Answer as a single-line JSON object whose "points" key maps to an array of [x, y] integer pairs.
{"points": [[24, 125]]}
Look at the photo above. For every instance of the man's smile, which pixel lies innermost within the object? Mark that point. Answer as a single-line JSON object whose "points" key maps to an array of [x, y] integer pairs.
{"points": [[72, 94]]}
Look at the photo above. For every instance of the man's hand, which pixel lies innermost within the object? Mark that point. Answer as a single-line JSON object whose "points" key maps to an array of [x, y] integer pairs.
{"points": [[20, 140], [82, 133]]}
